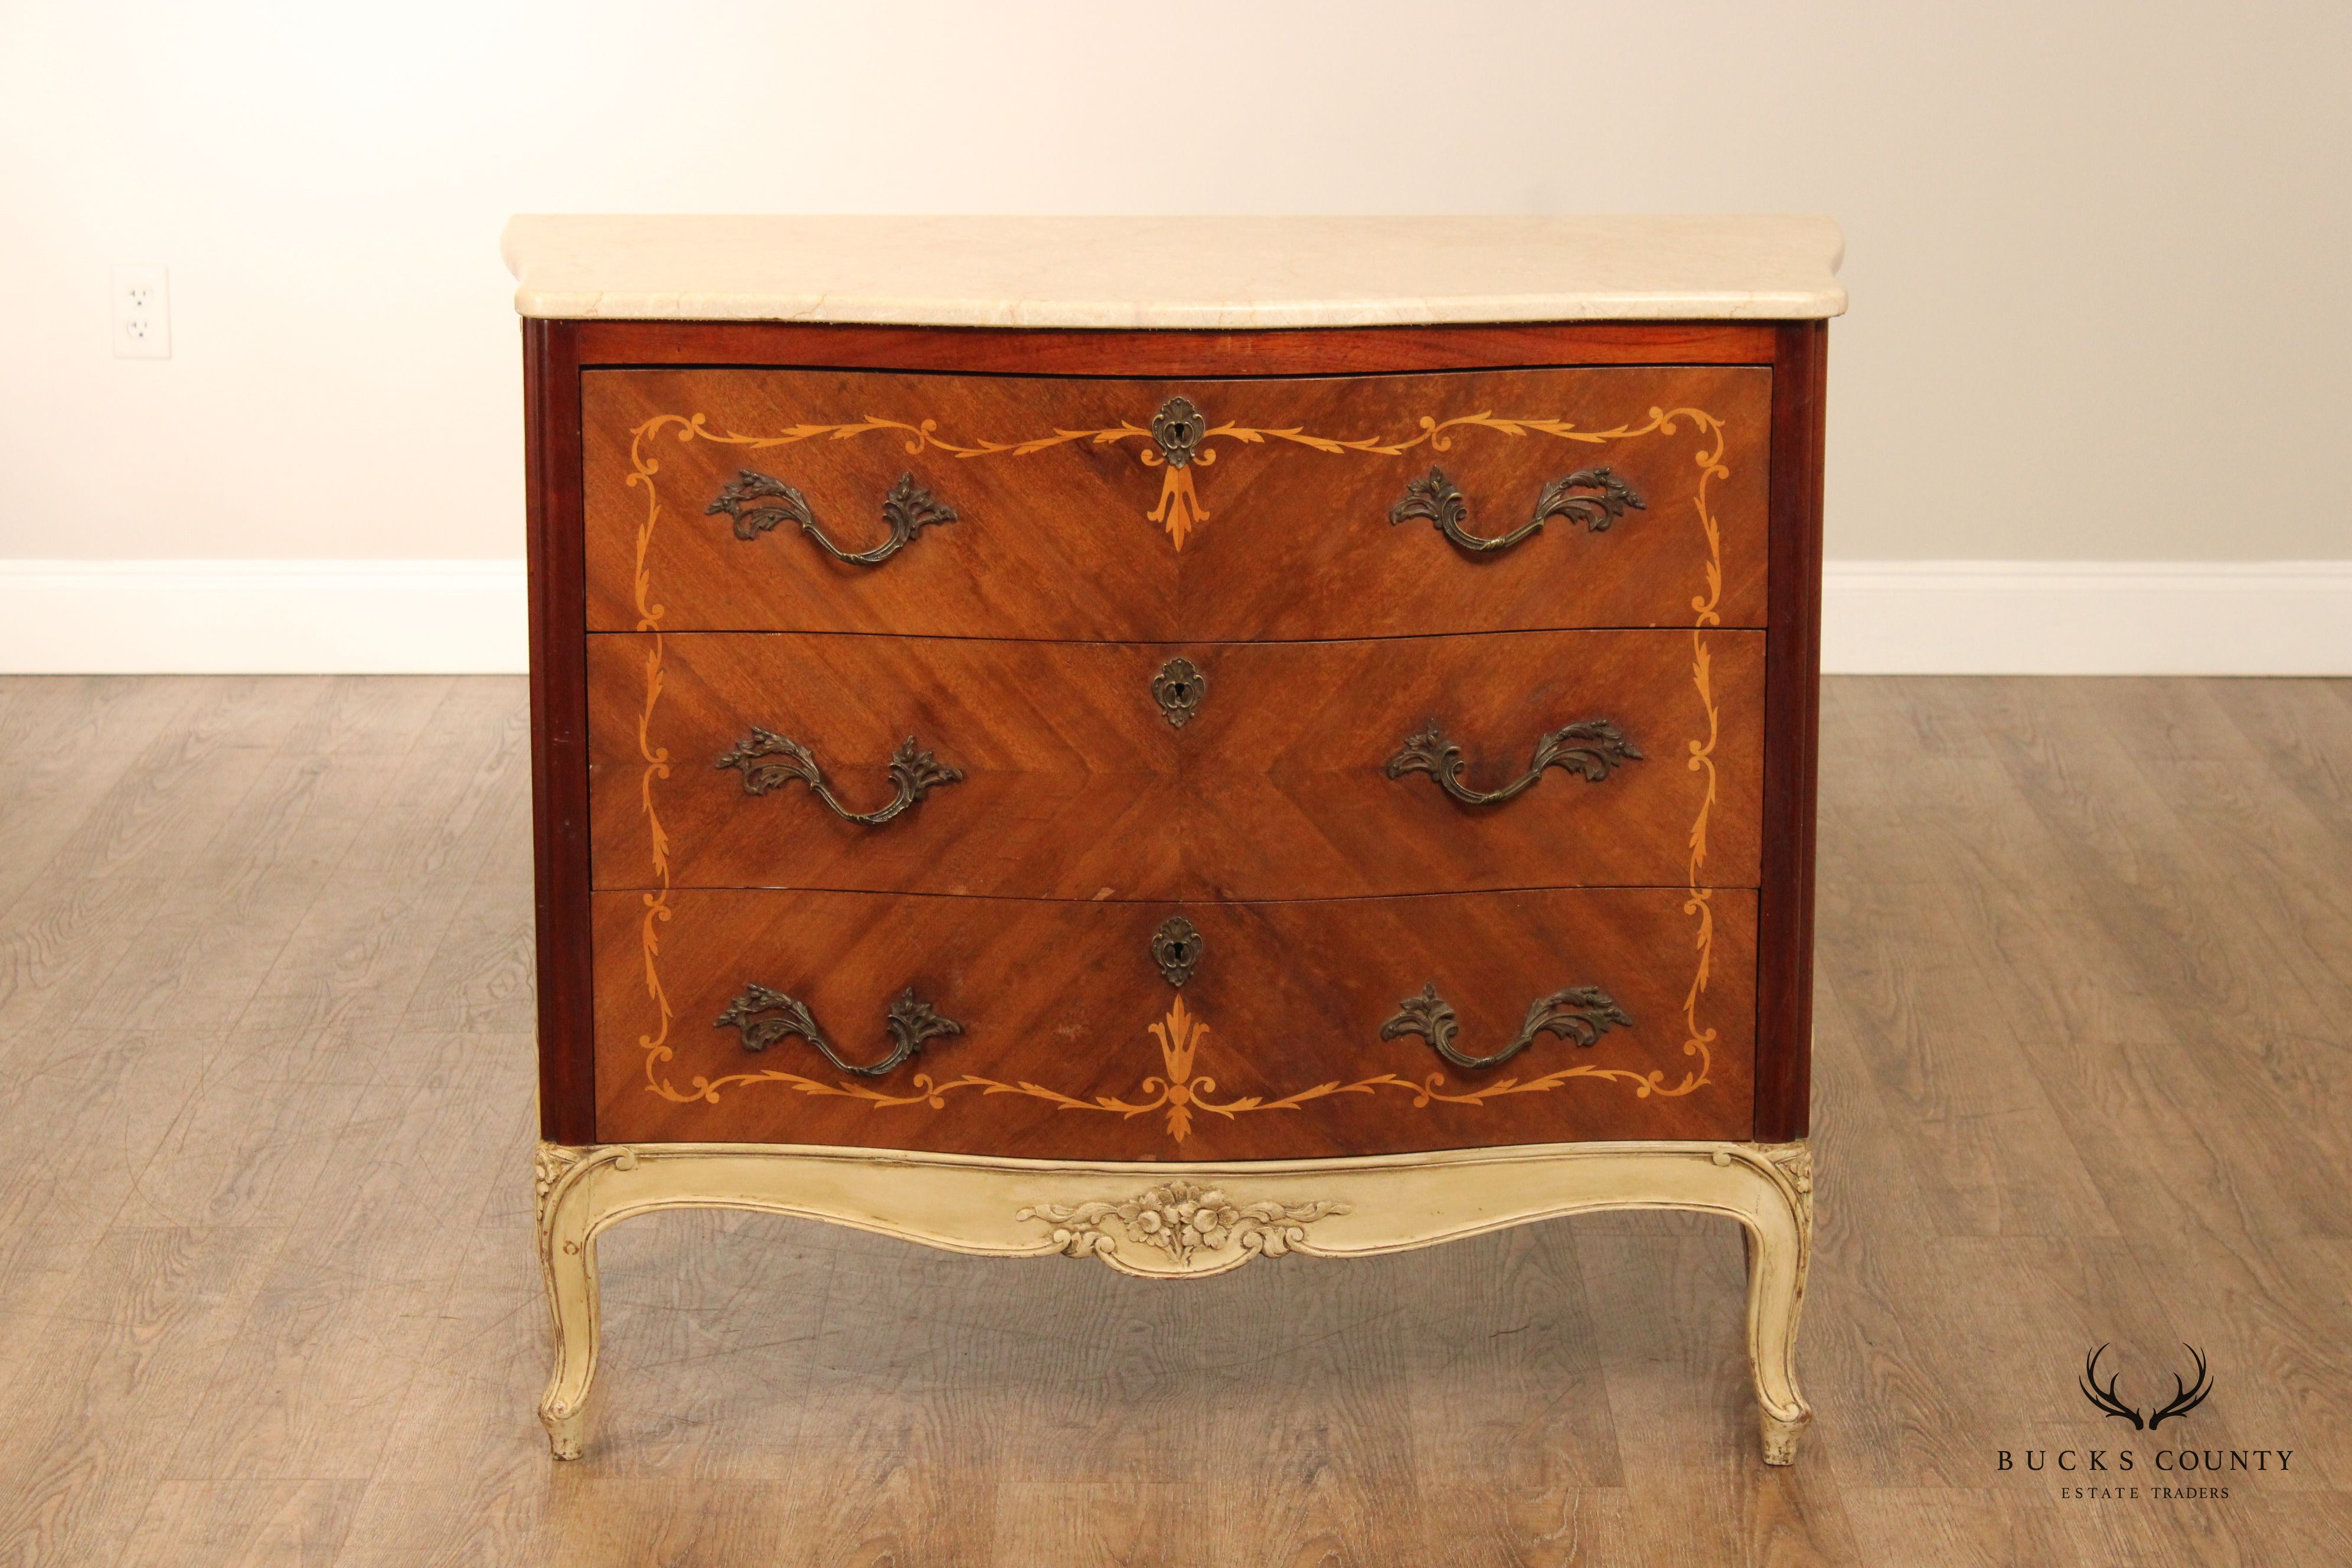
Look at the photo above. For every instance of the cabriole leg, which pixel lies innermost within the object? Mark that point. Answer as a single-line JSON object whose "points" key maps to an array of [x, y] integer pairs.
{"points": [[1779, 1247], [567, 1255]]}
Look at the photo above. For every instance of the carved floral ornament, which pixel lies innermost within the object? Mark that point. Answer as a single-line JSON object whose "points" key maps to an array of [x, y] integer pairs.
{"points": [[1182, 1220], [1178, 443]]}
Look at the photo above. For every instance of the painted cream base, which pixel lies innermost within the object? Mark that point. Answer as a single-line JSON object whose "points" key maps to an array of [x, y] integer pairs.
{"points": [[1168, 1221]]}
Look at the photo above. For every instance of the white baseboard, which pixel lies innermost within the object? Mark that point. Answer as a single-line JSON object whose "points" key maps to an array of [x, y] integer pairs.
{"points": [[262, 617], [2087, 618], [1885, 617]]}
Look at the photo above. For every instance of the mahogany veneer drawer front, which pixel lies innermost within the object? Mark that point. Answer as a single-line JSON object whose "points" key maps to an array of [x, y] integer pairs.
{"points": [[1175, 797], [1100, 770], [1298, 1029], [1135, 509]]}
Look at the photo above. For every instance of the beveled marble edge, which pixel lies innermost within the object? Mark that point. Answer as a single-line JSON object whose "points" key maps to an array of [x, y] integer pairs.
{"points": [[1174, 272]]}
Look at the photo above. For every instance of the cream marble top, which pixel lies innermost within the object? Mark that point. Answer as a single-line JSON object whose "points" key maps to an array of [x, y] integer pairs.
{"points": [[1175, 271]]}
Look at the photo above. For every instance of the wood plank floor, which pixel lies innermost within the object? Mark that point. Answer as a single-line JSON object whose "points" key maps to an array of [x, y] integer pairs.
{"points": [[2084, 1074]]}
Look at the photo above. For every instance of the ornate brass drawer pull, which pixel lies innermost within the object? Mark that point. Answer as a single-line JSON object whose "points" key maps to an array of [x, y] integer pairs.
{"points": [[1592, 747], [910, 1022], [1593, 497], [768, 760], [1581, 1014], [757, 503]]}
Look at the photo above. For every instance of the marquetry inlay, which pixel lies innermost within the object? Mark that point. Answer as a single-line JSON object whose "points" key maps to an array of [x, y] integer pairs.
{"points": [[1178, 1091]]}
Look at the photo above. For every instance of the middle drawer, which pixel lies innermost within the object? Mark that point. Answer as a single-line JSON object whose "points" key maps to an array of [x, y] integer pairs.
{"points": [[1124, 771]]}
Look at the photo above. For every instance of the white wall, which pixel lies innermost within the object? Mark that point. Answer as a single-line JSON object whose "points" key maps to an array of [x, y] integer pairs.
{"points": [[2096, 251]]}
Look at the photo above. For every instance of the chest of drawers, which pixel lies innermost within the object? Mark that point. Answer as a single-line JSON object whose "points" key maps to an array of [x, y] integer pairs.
{"points": [[1219, 769]]}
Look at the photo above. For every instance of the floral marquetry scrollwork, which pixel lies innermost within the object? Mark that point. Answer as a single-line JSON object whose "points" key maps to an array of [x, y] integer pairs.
{"points": [[1181, 440]]}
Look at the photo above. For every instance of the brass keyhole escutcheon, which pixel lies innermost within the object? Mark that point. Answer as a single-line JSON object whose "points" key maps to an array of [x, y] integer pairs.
{"points": [[1178, 430], [1178, 689], [1176, 948]]}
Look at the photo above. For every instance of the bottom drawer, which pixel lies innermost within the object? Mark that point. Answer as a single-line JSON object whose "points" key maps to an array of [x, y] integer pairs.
{"points": [[1300, 1030]]}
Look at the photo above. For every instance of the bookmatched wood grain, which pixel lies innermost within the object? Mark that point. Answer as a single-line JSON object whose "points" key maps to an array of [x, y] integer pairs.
{"points": [[1292, 541], [1301, 545], [1052, 545], [1065, 996], [1288, 794], [1267, 563], [1076, 787], [1070, 784]]}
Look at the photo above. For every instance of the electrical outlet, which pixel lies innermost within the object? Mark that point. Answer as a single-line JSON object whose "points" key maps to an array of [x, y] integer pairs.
{"points": [[143, 312]]}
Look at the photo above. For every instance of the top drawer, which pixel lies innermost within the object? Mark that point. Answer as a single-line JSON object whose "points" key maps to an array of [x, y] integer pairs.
{"points": [[1088, 508]]}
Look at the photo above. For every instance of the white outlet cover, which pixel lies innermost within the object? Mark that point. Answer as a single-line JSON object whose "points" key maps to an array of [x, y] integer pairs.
{"points": [[143, 312]]}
